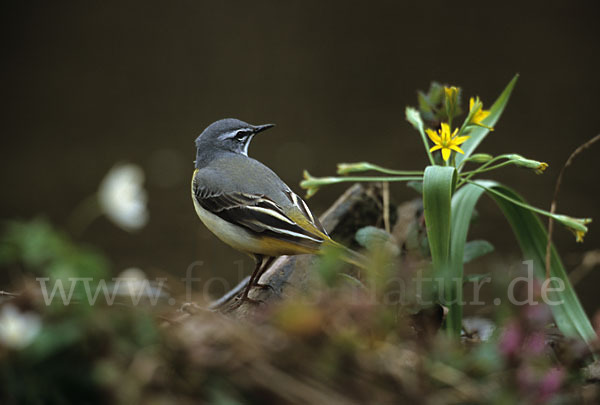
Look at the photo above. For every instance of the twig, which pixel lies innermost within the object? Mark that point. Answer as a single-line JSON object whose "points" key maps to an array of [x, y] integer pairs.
{"points": [[9, 294], [590, 260], [386, 205], [576, 152], [216, 304]]}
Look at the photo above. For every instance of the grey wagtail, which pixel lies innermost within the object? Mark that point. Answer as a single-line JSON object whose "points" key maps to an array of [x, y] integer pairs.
{"points": [[245, 204]]}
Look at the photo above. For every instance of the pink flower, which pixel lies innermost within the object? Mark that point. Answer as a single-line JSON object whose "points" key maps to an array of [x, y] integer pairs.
{"points": [[551, 383], [538, 314], [511, 339], [535, 344]]}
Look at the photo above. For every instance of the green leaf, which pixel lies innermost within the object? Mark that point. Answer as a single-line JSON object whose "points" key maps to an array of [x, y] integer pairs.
{"points": [[41, 248], [433, 100], [370, 236], [424, 107], [475, 249], [463, 206], [478, 134], [416, 185], [532, 238], [438, 183], [330, 265]]}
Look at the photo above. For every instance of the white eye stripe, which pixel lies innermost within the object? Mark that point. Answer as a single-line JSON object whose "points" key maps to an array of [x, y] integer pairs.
{"points": [[233, 134], [245, 150], [227, 135]]}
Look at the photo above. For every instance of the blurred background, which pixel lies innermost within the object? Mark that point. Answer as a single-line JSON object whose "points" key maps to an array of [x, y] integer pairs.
{"points": [[89, 84]]}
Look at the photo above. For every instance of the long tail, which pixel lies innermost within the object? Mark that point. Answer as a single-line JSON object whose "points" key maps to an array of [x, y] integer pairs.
{"points": [[349, 256]]}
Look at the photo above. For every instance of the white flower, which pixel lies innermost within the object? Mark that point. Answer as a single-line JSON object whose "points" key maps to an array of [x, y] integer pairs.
{"points": [[132, 282], [18, 329], [122, 197]]}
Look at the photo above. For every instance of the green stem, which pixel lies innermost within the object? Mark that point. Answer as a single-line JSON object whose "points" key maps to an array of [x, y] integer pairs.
{"points": [[369, 166], [512, 200], [322, 181], [478, 170], [426, 144], [488, 169], [464, 162], [368, 179]]}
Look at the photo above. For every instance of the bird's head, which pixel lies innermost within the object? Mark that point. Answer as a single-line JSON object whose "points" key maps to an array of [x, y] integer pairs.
{"points": [[229, 135]]}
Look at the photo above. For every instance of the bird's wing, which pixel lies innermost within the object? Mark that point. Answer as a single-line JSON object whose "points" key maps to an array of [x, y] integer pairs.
{"points": [[259, 214], [313, 221]]}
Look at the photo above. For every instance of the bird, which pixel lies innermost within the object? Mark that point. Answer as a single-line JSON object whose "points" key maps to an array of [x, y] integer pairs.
{"points": [[245, 203]]}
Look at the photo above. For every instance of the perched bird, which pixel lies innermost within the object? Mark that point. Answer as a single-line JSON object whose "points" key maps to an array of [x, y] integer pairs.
{"points": [[245, 204]]}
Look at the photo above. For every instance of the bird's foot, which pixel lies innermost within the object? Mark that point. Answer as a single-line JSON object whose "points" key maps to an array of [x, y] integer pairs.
{"points": [[251, 301], [239, 300], [264, 286]]}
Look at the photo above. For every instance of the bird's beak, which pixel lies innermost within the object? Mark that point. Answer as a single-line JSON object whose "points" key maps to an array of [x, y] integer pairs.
{"points": [[260, 128]]}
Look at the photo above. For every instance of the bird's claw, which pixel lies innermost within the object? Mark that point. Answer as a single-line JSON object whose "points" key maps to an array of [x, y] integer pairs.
{"points": [[264, 286]]}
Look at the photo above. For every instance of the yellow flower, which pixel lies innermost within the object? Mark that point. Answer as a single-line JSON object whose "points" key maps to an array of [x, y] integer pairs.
{"points": [[575, 225], [578, 236], [541, 168], [451, 93], [478, 114], [446, 142]]}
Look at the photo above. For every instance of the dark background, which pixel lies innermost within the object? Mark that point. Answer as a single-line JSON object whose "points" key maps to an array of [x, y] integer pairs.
{"points": [[88, 84]]}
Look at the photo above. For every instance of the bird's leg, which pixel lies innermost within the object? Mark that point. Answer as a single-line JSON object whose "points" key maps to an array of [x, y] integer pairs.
{"points": [[253, 279], [265, 265]]}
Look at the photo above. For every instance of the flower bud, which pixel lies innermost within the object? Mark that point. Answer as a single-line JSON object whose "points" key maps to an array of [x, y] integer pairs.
{"points": [[345, 168], [536, 166], [480, 158], [575, 225]]}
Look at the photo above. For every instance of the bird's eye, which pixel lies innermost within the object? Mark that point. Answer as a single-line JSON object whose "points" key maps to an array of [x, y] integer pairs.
{"points": [[240, 136]]}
